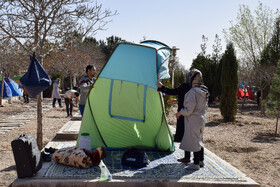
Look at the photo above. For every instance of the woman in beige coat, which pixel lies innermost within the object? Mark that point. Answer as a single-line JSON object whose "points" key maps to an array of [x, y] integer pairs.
{"points": [[55, 92], [194, 112]]}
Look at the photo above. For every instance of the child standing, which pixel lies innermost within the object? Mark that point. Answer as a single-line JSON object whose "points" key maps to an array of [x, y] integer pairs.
{"points": [[194, 112]]}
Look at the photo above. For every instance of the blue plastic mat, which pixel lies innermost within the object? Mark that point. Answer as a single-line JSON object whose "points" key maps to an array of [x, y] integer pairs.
{"points": [[163, 165]]}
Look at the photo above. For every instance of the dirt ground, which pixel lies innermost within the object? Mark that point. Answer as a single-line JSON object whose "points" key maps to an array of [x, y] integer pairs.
{"points": [[248, 144]]}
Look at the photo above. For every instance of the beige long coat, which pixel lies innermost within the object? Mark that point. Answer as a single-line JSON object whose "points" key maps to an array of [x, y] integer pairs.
{"points": [[194, 112]]}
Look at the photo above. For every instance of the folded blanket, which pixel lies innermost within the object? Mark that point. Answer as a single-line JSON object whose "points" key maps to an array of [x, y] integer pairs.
{"points": [[80, 158], [72, 156]]}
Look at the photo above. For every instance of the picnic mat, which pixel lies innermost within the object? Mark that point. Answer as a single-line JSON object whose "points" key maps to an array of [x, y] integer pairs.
{"points": [[163, 165]]}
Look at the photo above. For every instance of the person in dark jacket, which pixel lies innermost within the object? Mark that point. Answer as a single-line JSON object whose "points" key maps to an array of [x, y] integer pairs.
{"points": [[180, 91]]}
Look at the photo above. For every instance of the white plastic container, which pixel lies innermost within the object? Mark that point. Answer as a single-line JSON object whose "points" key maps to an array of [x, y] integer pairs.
{"points": [[85, 141]]}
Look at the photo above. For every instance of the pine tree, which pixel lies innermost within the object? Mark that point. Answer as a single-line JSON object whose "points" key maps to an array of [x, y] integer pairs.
{"points": [[229, 80], [272, 103]]}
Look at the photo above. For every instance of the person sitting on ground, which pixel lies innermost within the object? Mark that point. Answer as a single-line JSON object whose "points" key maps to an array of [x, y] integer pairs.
{"points": [[69, 96], [194, 112]]}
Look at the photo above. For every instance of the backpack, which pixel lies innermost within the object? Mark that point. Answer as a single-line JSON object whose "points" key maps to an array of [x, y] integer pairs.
{"points": [[135, 158]]}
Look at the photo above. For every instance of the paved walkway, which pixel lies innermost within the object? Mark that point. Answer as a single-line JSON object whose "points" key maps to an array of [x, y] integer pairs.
{"points": [[53, 174], [11, 122]]}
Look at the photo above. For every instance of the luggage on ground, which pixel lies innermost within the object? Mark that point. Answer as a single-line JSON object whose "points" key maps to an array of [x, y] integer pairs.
{"points": [[27, 156]]}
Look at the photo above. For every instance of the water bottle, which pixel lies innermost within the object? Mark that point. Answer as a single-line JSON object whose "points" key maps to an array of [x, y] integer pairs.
{"points": [[105, 173], [85, 141]]}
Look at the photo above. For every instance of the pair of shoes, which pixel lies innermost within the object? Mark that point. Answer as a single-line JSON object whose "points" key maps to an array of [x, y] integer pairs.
{"points": [[70, 116], [46, 156], [50, 150], [201, 164], [193, 166], [184, 160]]}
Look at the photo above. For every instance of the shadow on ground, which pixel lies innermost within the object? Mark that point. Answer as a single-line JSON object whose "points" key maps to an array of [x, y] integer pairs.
{"points": [[266, 137]]}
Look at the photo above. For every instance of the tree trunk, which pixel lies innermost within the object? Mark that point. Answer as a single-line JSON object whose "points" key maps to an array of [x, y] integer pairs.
{"points": [[261, 103], [277, 122], [39, 122], [71, 81], [74, 81], [173, 72], [243, 102], [2, 89]]}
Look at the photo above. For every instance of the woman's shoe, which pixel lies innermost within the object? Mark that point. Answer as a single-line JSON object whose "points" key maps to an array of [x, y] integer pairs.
{"points": [[201, 164], [184, 160], [193, 166]]}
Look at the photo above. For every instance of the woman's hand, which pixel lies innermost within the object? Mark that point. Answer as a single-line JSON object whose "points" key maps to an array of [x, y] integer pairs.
{"points": [[172, 101], [178, 115], [159, 84]]}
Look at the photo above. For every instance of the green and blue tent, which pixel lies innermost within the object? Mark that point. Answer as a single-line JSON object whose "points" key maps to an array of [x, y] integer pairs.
{"points": [[124, 108]]}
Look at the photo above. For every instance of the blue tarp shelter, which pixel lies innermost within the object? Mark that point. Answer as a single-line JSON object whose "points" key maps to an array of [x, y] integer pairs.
{"points": [[7, 92], [16, 91]]}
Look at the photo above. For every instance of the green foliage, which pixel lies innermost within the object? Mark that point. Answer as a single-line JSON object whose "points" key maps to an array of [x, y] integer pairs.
{"points": [[210, 67], [90, 41], [272, 103], [109, 45], [167, 82], [271, 53], [217, 87], [252, 31], [269, 58], [179, 76], [229, 81], [208, 70]]}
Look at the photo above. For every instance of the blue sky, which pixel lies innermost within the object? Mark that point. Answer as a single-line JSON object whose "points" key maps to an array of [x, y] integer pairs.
{"points": [[179, 23]]}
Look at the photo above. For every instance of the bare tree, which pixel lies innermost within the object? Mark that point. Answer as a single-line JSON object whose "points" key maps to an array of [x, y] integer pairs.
{"points": [[69, 62], [203, 46], [4, 44], [217, 48], [31, 24], [173, 63]]}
